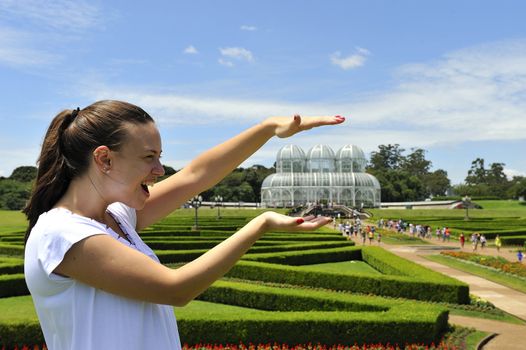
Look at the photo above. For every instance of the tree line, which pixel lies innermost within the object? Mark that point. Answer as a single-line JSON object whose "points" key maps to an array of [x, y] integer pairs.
{"points": [[408, 177], [402, 176]]}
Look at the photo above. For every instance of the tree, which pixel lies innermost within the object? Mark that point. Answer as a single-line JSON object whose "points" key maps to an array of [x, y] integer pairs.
{"points": [[406, 178], [477, 174], [255, 176], [415, 163], [24, 174], [388, 157], [437, 182], [518, 187], [13, 194], [487, 182]]}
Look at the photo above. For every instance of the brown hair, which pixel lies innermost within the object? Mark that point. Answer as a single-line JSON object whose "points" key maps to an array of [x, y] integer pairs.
{"points": [[70, 139]]}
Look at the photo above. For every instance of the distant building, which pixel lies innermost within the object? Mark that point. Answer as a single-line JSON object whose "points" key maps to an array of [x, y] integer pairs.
{"points": [[320, 176]]}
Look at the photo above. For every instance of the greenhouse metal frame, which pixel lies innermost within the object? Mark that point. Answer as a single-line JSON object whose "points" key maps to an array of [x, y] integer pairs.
{"points": [[320, 177]]}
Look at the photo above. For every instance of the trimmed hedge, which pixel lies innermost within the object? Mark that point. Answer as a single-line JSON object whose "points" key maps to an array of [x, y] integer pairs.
{"points": [[182, 245], [20, 333], [298, 246], [408, 280], [13, 285], [302, 316], [179, 256], [11, 266], [193, 245], [11, 249], [292, 316], [307, 256], [514, 240], [504, 233]]}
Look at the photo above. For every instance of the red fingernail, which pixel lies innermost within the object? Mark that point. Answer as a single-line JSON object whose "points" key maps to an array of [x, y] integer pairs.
{"points": [[340, 117], [300, 221], [296, 117]]}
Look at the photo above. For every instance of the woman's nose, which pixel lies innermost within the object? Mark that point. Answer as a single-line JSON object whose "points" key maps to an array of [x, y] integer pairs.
{"points": [[158, 170]]}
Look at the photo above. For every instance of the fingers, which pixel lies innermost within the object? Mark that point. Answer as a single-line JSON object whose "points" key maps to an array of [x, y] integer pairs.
{"points": [[306, 123], [311, 222], [323, 120]]}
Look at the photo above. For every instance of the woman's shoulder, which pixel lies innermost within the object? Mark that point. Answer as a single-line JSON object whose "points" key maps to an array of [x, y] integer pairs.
{"points": [[60, 220]]}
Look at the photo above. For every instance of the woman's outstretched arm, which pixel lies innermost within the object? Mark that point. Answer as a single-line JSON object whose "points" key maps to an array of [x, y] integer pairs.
{"points": [[104, 263], [213, 165]]}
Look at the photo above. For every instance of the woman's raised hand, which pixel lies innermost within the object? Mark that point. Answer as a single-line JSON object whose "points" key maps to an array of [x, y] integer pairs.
{"points": [[275, 221], [288, 126]]}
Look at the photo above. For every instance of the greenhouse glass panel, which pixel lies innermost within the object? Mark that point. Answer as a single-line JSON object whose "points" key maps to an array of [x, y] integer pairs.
{"points": [[320, 176]]}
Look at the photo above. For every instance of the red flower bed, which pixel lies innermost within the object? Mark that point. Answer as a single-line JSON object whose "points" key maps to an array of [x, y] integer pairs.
{"points": [[275, 346], [25, 347], [514, 268]]}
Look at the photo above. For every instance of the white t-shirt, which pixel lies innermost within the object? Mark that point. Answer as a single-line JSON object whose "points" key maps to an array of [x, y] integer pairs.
{"points": [[77, 316]]}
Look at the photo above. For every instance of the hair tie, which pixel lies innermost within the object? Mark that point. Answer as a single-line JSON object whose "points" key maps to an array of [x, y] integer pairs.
{"points": [[74, 113]]}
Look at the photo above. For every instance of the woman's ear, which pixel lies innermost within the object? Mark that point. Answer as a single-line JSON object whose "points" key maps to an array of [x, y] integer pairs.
{"points": [[102, 158]]}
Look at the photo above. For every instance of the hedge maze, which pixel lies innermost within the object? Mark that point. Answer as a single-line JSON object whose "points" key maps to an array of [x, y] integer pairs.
{"points": [[272, 295]]}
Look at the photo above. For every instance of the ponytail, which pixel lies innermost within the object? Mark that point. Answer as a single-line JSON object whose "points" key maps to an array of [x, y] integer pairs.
{"points": [[70, 138], [53, 175]]}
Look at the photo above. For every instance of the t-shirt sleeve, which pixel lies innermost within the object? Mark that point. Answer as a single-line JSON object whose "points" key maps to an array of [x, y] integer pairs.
{"points": [[55, 243]]}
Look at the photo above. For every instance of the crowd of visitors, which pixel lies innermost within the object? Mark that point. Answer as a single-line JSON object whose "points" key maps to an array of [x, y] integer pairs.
{"points": [[354, 228], [478, 240], [371, 233]]}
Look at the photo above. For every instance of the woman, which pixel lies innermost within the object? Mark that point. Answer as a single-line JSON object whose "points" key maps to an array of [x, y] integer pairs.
{"points": [[94, 282]]}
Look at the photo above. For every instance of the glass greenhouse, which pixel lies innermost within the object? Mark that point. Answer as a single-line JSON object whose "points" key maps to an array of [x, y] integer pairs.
{"points": [[320, 176]]}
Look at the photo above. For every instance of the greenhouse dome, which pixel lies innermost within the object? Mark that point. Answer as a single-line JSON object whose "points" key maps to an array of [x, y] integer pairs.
{"points": [[320, 176]]}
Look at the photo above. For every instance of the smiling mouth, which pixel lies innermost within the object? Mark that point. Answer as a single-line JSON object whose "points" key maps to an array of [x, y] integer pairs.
{"points": [[145, 188]]}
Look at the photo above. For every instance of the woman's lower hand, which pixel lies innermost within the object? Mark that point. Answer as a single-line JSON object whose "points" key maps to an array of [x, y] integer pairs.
{"points": [[288, 126], [275, 221]]}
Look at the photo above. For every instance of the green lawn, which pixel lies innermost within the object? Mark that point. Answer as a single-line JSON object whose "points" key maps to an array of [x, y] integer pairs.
{"points": [[225, 212], [400, 239], [21, 308], [17, 309], [345, 266], [500, 316], [491, 275], [198, 307], [12, 221], [491, 209], [474, 338]]}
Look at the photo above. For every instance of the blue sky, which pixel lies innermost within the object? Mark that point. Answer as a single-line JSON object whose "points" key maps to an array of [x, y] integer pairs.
{"points": [[446, 76]]}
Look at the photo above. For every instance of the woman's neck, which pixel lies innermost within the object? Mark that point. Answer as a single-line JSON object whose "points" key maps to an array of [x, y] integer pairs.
{"points": [[84, 198]]}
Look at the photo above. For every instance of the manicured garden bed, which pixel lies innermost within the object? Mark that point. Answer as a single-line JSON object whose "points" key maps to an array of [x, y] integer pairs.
{"points": [[304, 304]]}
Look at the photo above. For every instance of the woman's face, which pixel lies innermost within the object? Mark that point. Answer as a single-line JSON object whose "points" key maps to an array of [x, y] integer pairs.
{"points": [[135, 166]]}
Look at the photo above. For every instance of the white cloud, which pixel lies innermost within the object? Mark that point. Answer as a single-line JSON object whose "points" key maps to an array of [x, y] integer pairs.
{"points": [[16, 49], [248, 28], [190, 50], [57, 14], [352, 61], [475, 94], [237, 53], [510, 173], [225, 62], [50, 20]]}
